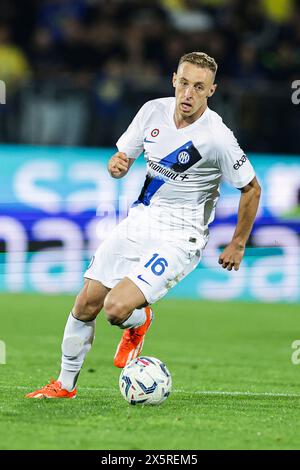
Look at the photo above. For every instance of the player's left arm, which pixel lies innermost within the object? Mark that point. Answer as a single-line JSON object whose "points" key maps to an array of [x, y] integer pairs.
{"points": [[234, 252]]}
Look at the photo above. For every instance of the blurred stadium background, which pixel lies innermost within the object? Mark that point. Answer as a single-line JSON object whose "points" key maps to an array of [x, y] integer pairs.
{"points": [[76, 72]]}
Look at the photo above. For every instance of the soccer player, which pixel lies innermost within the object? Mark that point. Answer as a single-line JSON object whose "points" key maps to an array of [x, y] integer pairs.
{"points": [[188, 149]]}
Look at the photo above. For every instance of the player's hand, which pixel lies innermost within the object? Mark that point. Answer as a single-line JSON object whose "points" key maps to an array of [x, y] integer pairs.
{"points": [[118, 165], [232, 256]]}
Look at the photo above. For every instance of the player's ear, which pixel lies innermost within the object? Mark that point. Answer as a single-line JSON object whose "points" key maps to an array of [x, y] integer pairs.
{"points": [[174, 79], [212, 90]]}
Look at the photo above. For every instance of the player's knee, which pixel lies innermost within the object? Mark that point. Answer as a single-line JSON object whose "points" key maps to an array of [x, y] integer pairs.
{"points": [[115, 310]]}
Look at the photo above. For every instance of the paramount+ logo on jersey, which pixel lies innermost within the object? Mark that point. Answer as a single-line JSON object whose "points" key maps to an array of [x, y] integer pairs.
{"points": [[240, 162]]}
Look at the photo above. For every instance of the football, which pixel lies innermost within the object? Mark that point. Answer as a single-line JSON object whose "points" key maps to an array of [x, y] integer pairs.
{"points": [[145, 381]]}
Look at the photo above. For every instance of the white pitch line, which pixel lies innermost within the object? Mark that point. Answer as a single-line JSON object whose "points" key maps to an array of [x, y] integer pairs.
{"points": [[213, 392], [195, 392], [235, 393]]}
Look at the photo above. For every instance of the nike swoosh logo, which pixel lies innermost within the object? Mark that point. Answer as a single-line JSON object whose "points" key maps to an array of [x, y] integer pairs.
{"points": [[140, 277], [149, 141]]}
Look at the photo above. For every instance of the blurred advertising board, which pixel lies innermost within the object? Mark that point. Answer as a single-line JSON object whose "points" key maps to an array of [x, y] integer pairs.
{"points": [[57, 204]]}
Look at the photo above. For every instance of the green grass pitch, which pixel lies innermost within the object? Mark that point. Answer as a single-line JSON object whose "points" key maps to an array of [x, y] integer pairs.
{"points": [[234, 384]]}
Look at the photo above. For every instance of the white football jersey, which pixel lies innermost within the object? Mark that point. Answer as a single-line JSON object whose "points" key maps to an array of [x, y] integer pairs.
{"points": [[184, 166]]}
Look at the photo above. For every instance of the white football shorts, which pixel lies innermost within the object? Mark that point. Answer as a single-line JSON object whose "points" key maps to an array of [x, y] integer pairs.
{"points": [[154, 263]]}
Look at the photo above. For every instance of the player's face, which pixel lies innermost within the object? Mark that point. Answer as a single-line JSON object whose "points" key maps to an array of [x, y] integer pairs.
{"points": [[193, 85]]}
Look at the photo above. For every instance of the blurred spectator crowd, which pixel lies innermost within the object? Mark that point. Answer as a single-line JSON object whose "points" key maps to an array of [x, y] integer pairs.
{"points": [[78, 69]]}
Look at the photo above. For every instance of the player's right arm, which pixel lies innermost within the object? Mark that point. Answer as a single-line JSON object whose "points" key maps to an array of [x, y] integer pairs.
{"points": [[119, 165], [130, 145]]}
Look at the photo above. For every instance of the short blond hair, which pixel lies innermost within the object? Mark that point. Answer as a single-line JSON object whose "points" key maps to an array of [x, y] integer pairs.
{"points": [[201, 60]]}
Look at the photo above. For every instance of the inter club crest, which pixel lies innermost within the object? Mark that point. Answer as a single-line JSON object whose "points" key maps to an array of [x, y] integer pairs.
{"points": [[183, 157]]}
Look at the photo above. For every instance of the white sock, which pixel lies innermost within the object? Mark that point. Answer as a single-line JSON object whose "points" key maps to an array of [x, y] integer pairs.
{"points": [[77, 341], [137, 318]]}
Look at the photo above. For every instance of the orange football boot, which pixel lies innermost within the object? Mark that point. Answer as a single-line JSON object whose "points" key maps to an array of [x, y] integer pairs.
{"points": [[132, 341], [52, 390]]}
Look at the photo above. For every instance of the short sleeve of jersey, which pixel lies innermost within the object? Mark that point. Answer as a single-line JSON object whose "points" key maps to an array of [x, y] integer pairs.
{"points": [[131, 142], [232, 161]]}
